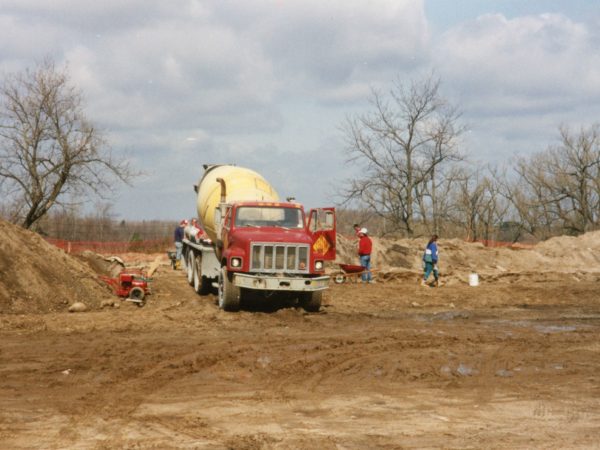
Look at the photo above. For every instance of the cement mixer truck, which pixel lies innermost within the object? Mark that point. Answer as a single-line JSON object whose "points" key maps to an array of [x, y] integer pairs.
{"points": [[256, 245]]}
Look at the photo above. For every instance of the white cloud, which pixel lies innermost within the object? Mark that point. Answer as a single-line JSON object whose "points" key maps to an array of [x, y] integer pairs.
{"points": [[89, 16], [176, 75], [146, 64], [265, 83], [326, 44], [528, 64]]}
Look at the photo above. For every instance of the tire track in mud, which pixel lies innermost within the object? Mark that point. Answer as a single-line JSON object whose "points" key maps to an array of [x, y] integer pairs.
{"points": [[179, 370], [321, 354], [318, 363]]}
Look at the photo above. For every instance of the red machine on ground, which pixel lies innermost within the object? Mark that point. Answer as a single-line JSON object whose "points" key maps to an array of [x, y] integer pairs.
{"points": [[131, 284]]}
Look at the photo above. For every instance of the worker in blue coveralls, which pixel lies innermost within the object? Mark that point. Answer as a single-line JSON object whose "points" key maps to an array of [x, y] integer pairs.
{"points": [[178, 238], [430, 260]]}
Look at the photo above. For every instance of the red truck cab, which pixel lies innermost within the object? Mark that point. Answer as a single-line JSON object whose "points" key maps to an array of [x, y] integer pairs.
{"points": [[273, 246]]}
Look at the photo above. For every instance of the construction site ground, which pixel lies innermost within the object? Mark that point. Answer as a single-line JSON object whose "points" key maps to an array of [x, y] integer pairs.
{"points": [[507, 364]]}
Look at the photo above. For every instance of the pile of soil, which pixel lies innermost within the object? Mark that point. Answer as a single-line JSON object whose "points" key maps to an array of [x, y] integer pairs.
{"points": [[36, 277], [399, 258], [107, 266]]}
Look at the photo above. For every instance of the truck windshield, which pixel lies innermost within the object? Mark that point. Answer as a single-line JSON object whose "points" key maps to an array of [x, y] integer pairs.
{"points": [[268, 216]]}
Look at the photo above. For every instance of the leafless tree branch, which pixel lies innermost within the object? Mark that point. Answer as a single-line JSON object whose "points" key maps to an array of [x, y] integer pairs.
{"points": [[48, 148]]}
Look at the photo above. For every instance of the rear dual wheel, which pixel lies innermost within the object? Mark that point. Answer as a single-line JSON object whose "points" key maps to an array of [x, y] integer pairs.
{"points": [[190, 267], [201, 283]]}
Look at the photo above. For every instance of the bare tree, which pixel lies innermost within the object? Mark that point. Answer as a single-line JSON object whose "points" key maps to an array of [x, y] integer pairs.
{"points": [[440, 176], [530, 197], [49, 151], [478, 205], [561, 186], [401, 144]]}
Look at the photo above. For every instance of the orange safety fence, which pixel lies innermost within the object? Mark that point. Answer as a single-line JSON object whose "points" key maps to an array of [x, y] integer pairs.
{"points": [[485, 242], [147, 246]]}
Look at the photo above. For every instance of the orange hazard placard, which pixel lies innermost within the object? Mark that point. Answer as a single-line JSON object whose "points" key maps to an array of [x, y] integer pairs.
{"points": [[321, 245]]}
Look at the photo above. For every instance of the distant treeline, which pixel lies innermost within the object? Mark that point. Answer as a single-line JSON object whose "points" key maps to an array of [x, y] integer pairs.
{"points": [[103, 227]]}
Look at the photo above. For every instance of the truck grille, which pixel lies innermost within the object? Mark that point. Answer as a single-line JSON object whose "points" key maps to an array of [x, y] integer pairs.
{"points": [[270, 257]]}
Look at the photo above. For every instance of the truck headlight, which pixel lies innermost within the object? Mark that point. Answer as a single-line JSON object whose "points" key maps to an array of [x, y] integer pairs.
{"points": [[318, 265], [236, 262]]}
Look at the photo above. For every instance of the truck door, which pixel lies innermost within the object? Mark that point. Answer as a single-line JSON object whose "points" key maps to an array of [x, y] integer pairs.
{"points": [[321, 226]]}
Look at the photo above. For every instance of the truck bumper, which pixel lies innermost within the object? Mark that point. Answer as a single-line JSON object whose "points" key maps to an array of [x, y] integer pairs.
{"points": [[272, 283]]}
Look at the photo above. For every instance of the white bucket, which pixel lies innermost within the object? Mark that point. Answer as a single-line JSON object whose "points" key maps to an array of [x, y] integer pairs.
{"points": [[473, 279]]}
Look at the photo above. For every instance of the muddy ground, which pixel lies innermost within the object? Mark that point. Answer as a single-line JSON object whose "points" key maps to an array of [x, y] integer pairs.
{"points": [[511, 363]]}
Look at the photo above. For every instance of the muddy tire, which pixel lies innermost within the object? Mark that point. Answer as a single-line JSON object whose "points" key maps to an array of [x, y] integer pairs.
{"points": [[339, 279], [311, 301], [229, 294], [201, 283], [190, 267], [137, 295]]}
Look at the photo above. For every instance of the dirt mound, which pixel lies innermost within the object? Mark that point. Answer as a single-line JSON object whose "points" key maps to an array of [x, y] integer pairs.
{"points": [[36, 277], [581, 251], [109, 266], [401, 258]]}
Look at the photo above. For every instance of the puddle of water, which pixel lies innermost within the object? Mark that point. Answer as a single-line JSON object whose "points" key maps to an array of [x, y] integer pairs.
{"points": [[445, 370], [465, 370], [451, 315], [504, 373], [547, 329]]}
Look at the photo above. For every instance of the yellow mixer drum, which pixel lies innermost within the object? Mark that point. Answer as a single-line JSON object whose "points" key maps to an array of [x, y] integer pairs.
{"points": [[242, 185]]}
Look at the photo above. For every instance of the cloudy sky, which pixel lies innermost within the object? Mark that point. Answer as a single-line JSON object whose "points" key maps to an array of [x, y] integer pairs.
{"points": [[266, 84]]}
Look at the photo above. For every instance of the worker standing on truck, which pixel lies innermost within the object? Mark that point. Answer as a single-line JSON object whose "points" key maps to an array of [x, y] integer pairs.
{"points": [[365, 246], [178, 237]]}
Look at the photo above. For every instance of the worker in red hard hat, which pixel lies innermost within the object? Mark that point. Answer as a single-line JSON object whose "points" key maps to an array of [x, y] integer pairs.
{"points": [[365, 246]]}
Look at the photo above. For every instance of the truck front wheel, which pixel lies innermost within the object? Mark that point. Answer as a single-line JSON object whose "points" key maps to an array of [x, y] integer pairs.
{"points": [[311, 301], [229, 294]]}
